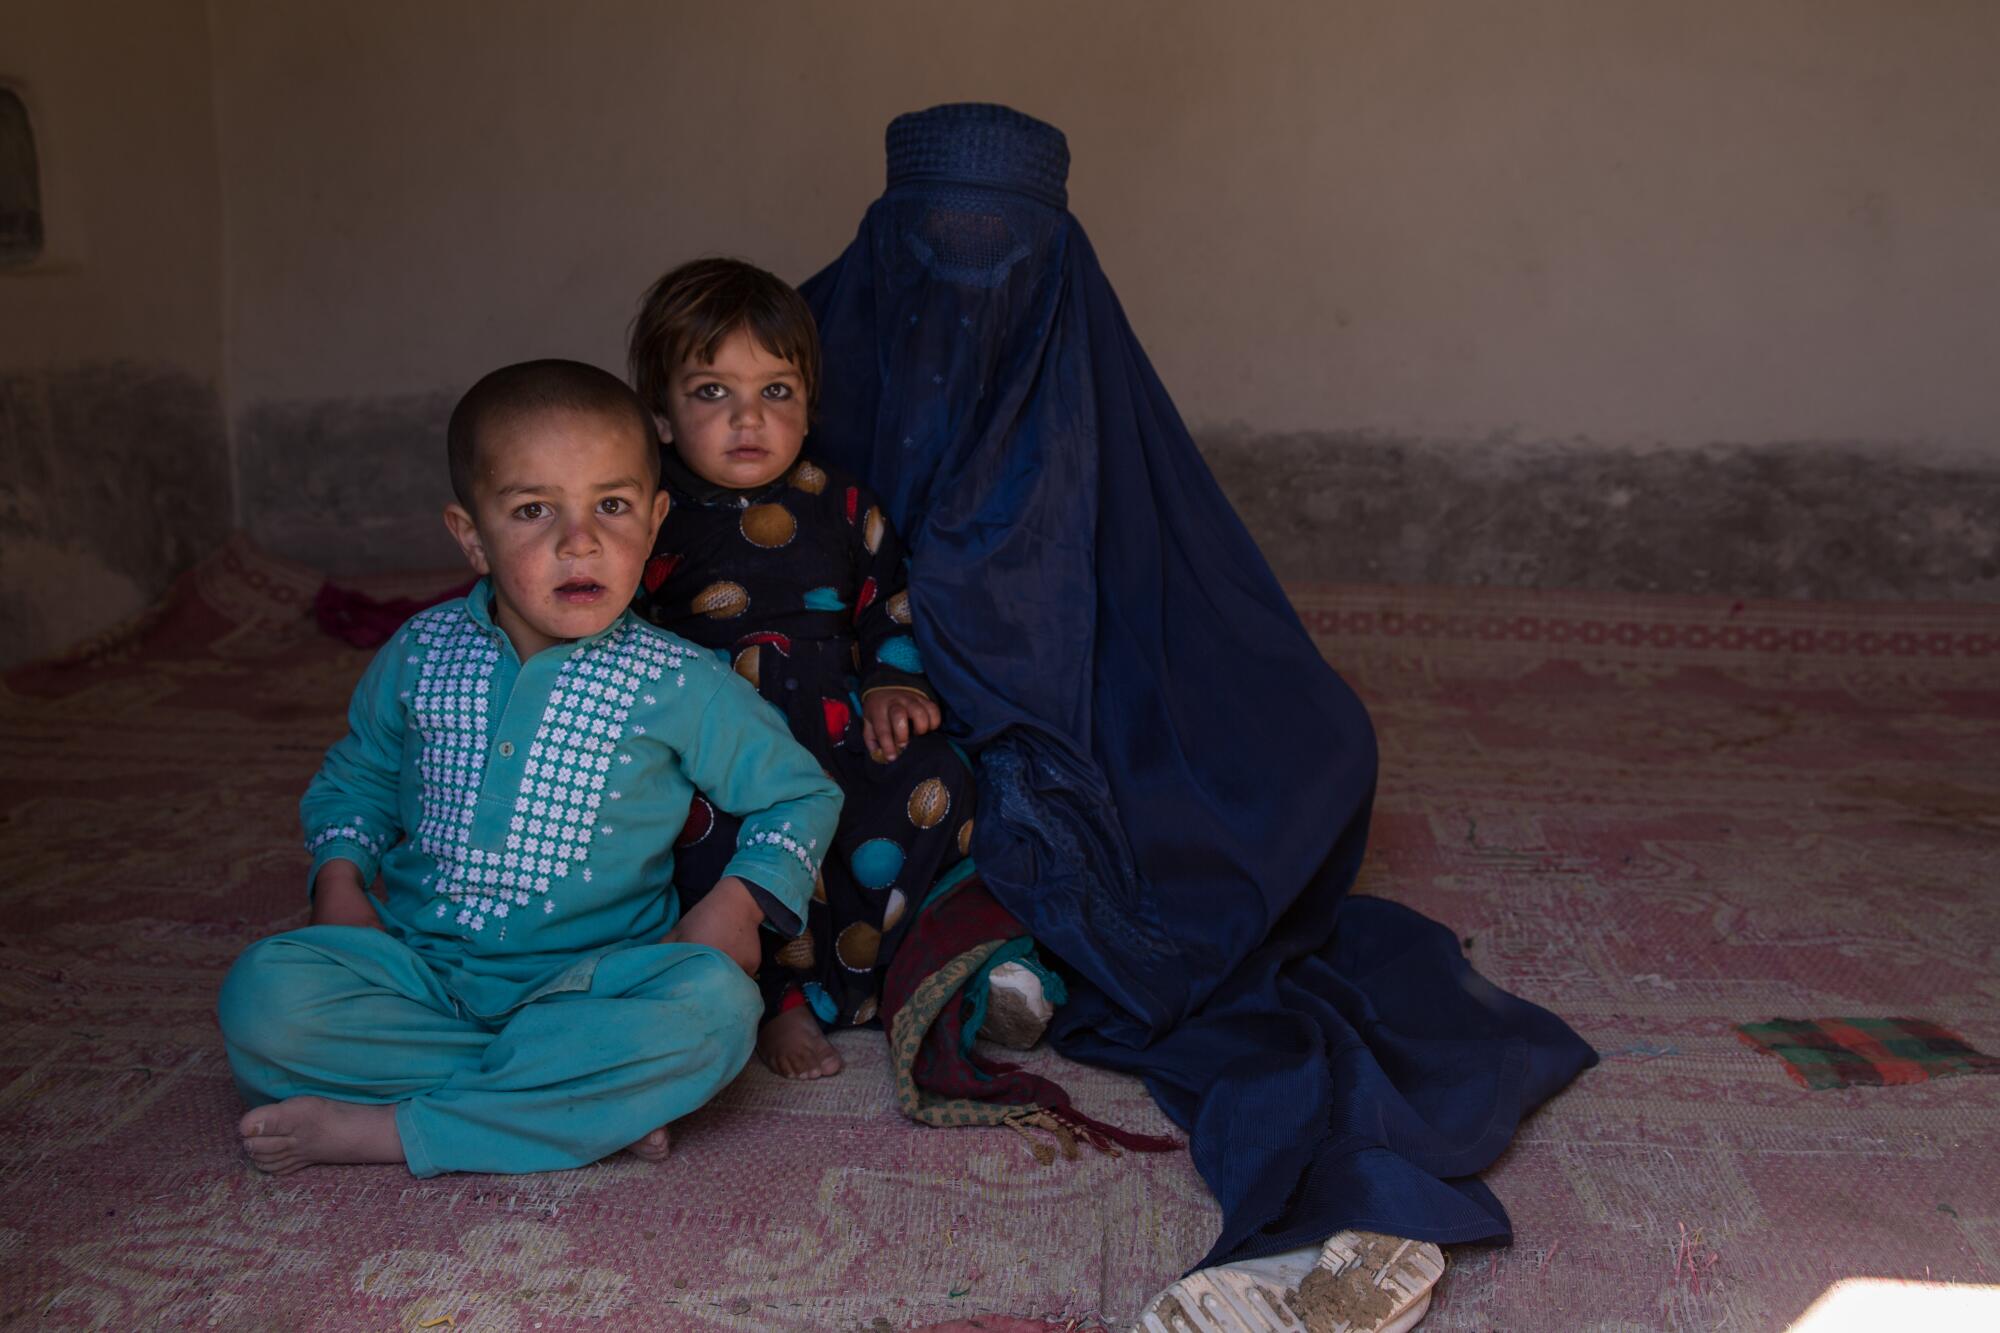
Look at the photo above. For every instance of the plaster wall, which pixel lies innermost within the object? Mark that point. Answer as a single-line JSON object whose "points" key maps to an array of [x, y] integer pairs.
{"points": [[114, 467], [1441, 288], [1481, 234]]}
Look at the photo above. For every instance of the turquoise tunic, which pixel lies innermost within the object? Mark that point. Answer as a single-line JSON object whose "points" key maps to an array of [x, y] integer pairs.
{"points": [[522, 817]]}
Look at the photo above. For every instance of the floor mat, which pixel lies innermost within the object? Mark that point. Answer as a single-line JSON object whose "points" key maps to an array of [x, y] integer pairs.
{"points": [[1662, 818]]}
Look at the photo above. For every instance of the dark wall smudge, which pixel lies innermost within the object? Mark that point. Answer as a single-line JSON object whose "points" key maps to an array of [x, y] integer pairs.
{"points": [[1833, 520], [356, 486], [114, 478], [350, 486]]}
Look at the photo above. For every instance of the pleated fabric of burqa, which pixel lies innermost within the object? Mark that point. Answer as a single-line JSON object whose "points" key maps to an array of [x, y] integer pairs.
{"points": [[1174, 786]]}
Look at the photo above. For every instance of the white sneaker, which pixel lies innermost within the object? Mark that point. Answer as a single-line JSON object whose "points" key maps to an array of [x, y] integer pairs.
{"points": [[1358, 1282]]}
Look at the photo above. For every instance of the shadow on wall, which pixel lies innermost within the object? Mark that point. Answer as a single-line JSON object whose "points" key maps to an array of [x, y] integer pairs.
{"points": [[113, 479], [355, 486], [350, 486], [1822, 521]]}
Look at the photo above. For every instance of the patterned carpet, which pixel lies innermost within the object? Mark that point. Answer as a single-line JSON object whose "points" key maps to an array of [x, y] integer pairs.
{"points": [[1659, 817]]}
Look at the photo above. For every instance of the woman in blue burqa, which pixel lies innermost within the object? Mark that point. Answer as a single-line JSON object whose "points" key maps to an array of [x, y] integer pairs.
{"points": [[1174, 786]]}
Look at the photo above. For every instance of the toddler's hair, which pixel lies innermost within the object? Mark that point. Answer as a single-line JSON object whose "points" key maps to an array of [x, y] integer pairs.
{"points": [[688, 314], [512, 392]]}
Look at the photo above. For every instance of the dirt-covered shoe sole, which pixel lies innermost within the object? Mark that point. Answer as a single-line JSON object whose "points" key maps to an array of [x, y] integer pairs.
{"points": [[1368, 1283], [1361, 1283]]}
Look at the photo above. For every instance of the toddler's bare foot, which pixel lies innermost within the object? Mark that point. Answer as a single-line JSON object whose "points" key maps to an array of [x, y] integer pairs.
{"points": [[653, 1148], [792, 1045], [308, 1131]]}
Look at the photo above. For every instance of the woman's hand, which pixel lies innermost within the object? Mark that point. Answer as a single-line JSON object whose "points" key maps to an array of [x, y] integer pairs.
{"points": [[726, 919], [891, 715], [341, 899]]}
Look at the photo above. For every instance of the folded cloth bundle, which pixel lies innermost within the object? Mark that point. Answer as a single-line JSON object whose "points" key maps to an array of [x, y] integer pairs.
{"points": [[1848, 1052], [931, 1009]]}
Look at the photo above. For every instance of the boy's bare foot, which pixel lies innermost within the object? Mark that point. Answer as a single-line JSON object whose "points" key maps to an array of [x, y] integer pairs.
{"points": [[653, 1148], [310, 1131], [792, 1045]]}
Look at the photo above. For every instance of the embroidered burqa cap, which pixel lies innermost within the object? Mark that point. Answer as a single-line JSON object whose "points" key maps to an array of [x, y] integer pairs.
{"points": [[1174, 786]]}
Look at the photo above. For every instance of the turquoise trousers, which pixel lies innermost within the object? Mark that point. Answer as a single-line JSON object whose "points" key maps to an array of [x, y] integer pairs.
{"points": [[574, 1075]]}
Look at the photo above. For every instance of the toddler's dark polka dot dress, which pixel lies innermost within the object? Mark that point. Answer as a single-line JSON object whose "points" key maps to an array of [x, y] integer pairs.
{"points": [[801, 584]]}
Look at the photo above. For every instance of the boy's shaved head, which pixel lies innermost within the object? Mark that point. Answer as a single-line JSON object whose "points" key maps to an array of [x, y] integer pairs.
{"points": [[530, 387]]}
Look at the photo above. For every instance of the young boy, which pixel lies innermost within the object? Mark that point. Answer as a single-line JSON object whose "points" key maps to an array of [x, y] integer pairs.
{"points": [[793, 571], [518, 765]]}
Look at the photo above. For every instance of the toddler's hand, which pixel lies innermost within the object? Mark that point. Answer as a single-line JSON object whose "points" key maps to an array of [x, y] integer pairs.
{"points": [[341, 899], [889, 717], [727, 919]]}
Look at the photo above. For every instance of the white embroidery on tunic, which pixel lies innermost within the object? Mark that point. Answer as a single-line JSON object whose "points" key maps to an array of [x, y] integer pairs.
{"points": [[449, 708], [349, 832], [785, 842], [562, 778]]}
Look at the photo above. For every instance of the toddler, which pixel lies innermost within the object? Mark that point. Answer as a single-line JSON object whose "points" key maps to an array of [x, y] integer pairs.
{"points": [[793, 572]]}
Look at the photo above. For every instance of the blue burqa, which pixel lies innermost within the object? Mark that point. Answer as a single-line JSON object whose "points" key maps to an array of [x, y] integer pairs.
{"points": [[1174, 786]]}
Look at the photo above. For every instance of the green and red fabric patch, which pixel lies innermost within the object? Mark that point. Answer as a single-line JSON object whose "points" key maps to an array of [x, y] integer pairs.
{"points": [[1875, 1052]]}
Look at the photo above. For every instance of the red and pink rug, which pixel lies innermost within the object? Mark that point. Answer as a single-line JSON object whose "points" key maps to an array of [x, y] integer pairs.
{"points": [[1662, 818]]}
